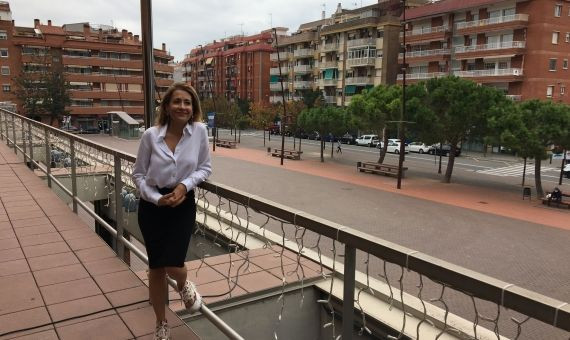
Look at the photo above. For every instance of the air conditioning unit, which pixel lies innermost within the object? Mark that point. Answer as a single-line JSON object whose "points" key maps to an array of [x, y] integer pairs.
{"points": [[517, 72]]}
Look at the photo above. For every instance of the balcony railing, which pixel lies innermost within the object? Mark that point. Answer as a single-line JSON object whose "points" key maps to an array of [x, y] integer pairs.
{"points": [[427, 30], [426, 53], [282, 56], [328, 82], [411, 281], [361, 62], [277, 86], [514, 97], [302, 85], [361, 42], [419, 76], [330, 99], [330, 47], [274, 71], [359, 81], [492, 21], [328, 64], [490, 73], [303, 68], [490, 47], [303, 53]]}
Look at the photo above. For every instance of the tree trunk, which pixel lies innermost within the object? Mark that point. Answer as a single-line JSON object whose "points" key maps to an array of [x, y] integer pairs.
{"points": [[322, 151], [332, 148], [300, 143], [449, 169], [263, 137], [537, 180], [385, 148]]}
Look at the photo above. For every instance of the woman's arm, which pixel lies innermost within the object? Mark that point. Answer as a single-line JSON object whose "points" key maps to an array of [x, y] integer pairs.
{"points": [[204, 166], [142, 163]]}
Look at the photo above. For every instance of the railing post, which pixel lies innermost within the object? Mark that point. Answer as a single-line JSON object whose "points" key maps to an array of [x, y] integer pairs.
{"points": [[348, 294], [119, 248], [31, 139], [73, 174], [14, 134], [6, 130], [48, 156], [24, 142], [1, 128]]}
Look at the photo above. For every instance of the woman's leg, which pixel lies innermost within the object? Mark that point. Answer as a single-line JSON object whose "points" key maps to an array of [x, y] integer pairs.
{"points": [[157, 291], [178, 274]]}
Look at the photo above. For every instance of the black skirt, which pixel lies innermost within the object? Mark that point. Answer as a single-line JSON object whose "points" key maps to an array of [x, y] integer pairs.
{"points": [[166, 230]]}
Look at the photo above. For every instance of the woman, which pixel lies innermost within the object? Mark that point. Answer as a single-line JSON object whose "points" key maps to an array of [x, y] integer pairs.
{"points": [[173, 158]]}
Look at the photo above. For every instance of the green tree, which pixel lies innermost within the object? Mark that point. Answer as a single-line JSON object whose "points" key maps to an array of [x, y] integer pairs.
{"points": [[311, 98], [325, 120], [56, 97]]}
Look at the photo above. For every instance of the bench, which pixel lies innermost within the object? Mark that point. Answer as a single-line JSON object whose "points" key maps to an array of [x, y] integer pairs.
{"points": [[379, 169], [232, 144], [289, 154], [561, 204]]}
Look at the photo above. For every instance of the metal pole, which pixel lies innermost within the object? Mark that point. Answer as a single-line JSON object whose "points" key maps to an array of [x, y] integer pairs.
{"points": [[119, 248], [31, 145], [282, 98], [214, 129], [48, 156], [14, 134], [1, 129], [402, 113], [524, 172], [73, 174], [348, 294], [24, 144], [562, 167], [148, 60], [6, 130]]}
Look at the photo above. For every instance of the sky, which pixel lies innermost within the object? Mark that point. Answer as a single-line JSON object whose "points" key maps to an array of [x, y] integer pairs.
{"points": [[181, 24]]}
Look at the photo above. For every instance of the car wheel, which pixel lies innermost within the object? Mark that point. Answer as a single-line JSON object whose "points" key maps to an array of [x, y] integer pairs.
{"points": [[421, 150], [396, 151]]}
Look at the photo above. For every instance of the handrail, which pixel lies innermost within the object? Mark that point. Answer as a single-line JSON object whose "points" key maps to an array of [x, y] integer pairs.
{"points": [[532, 304], [116, 233]]}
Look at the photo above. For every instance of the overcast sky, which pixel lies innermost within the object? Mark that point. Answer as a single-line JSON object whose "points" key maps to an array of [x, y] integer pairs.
{"points": [[181, 24]]}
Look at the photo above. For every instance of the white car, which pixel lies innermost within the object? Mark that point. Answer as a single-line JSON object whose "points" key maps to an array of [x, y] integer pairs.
{"points": [[394, 147], [367, 140], [419, 147]]}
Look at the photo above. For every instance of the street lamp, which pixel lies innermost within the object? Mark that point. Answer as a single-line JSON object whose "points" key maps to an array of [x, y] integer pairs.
{"points": [[402, 114]]}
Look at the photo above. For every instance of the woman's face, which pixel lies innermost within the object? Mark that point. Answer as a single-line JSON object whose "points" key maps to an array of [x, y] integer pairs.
{"points": [[180, 107]]}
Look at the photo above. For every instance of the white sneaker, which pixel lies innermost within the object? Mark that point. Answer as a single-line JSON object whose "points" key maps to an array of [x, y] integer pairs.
{"points": [[162, 331], [192, 300]]}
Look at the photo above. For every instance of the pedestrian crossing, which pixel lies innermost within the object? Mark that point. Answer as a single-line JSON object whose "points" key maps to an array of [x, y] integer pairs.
{"points": [[514, 170]]}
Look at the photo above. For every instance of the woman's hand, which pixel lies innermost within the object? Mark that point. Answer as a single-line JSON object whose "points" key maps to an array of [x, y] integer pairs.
{"points": [[165, 200], [178, 195]]}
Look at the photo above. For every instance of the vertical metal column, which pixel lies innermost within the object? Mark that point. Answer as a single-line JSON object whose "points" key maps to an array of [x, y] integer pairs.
{"points": [[348, 294], [48, 156], [148, 60], [31, 139], [1, 128], [24, 142], [14, 134], [73, 174], [118, 245], [6, 130]]}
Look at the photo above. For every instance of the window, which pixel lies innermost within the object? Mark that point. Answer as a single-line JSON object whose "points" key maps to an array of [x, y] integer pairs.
{"points": [[552, 65], [562, 89], [549, 91], [565, 64], [4, 52], [555, 36], [557, 10], [3, 35], [567, 36], [5, 70], [6, 88]]}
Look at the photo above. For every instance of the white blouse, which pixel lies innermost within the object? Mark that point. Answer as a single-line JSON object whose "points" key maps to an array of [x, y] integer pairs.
{"points": [[158, 167]]}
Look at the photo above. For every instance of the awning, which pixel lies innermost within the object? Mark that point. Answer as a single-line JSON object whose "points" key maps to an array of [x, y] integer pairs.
{"points": [[369, 87], [350, 89], [209, 60], [328, 74], [273, 79]]}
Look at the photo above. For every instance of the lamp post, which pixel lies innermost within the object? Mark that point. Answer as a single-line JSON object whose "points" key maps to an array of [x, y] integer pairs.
{"points": [[214, 129], [283, 99], [402, 113]]}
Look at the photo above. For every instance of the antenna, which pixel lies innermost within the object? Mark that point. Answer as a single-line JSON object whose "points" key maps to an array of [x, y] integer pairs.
{"points": [[241, 27], [270, 20]]}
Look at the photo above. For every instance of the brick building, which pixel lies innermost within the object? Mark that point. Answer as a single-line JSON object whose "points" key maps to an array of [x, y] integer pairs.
{"points": [[236, 67], [103, 66], [519, 46]]}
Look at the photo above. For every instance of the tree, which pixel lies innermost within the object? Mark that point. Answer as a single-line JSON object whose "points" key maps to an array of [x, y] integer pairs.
{"points": [[532, 128], [311, 98], [262, 115], [56, 96], [325, 120]]}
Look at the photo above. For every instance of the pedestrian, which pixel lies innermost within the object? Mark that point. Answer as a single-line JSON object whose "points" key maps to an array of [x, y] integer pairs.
{"points": [[173, 158], [338, 147]]}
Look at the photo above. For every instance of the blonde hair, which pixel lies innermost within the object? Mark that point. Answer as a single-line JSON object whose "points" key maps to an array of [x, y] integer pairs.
{"points": [[162, 118]]}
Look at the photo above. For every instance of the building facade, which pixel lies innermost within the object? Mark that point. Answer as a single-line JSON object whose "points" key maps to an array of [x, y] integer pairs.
{"points": [[235, 67], [519, 46], [102, 65]]}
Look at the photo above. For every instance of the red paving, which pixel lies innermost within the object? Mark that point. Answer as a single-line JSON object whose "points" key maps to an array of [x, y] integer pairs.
{"points": [[465, 196]]}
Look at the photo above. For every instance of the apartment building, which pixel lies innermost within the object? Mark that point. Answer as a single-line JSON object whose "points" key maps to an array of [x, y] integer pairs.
{"points": [[235, 67], [519, 46], [342, 55], [102, 65]]}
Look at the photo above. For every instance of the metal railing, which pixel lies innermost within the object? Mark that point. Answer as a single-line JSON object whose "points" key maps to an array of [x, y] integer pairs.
{"points": [[429, 75], [328, 64], [492, 21], [303, 53], [425, 53], [359, 80], [491, 46], [361, 42], [330, 47], [490, 73], [303, 68], [427, 30], [302, 84], [370, 61], [346, 256], [23, 134]]}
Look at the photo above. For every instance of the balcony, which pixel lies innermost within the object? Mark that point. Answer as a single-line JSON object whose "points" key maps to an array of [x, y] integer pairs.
{"points": [[361, 42], [328, 82], [282, 56], [303, 53], [328, 64], [277, 86], [494, 75], [303, 69], [329, 47], [356, 62], [514, 97], [507, 22], [425, 34], [359, 81], [421, 76], [275, 99], [426, 55], [302, 85], [274, 71], [486, 50], [330, 99]]}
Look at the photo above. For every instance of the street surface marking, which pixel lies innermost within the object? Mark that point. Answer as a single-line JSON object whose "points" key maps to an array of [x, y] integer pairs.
{"points": [[513, 170]]}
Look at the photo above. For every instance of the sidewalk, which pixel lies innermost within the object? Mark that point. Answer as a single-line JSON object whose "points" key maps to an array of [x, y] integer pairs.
{"points": [[465, 196]]}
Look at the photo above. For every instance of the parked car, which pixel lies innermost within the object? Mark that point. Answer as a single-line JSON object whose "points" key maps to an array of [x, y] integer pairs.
{"points": [[314, 135], [419, 147], [347, 138], [444, 150], [367, 140], [274, 129], [71, 129], [566, 170], [394, 147]]}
